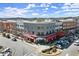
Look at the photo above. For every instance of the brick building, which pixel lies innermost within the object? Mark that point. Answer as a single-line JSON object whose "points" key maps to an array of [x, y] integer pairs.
{"points": [[68, 24]]}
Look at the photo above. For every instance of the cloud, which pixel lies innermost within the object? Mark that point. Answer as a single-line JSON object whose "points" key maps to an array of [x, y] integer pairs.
{"points": [[29, 6], [69, 7], [35, 14], [53, 6], [45, 9], [12, 12], [43, 14], [33, 10], [44, 5]]}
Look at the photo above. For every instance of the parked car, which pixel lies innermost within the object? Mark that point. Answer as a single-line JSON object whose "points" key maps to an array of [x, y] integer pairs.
{"points": [[59, 46], [77, 44], [7, 54], [70, 39], [8, 35], [14, 39], [40, 40], [77, 35], [64, 43], [6, 50], [4, 34], [77, 41]]}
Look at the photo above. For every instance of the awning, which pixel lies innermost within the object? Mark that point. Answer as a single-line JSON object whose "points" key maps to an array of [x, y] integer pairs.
{"points": [[50, 37], [30, 36]]}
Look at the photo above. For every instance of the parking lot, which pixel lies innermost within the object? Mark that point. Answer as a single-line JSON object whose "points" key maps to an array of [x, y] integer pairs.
{"points": [[70, 51]]}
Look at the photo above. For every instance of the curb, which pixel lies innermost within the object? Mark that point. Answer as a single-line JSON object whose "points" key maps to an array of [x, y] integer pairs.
{"points": [[30, 44]]}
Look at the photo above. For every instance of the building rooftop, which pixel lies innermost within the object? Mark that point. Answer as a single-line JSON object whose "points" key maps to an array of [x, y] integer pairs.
{"points": [[64, 20], [39, 21]]}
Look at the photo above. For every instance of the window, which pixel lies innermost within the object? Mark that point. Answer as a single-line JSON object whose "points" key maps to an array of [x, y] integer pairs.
{"points": [[32, 32], [47, 27], [38, 33], [21, 26], [39, 28], [42, 33], [50, 32], [17, 25], [47, 33]]}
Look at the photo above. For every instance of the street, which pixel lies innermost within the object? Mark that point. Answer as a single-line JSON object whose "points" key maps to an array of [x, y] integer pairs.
{"points": [[19, 48]]}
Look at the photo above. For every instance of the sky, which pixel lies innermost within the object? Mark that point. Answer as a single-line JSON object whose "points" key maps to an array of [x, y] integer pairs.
{"points": [[42, 10]]}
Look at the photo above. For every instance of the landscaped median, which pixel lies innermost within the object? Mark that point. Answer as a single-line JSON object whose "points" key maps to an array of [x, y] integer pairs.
{"points": [[52, 51]]}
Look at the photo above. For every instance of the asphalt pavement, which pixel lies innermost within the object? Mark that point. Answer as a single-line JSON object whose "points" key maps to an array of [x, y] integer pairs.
{"points": [[19, 48]]}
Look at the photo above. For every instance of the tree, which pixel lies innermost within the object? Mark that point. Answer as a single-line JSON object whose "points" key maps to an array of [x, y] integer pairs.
{"points": [[1, 47], [4, 34]]}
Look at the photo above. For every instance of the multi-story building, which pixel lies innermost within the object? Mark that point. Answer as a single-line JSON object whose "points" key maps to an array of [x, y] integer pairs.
{"points": [[58, 26], [20, 26], [77, 23], [68, 24], [7, 26], [36, 27], [1, 26], [12, 26], [40, 28]]}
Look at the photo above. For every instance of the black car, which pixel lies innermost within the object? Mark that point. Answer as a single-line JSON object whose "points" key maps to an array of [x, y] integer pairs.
{"points": [[70, 39], [14, 39], [8, 36], [64, 43], [4, 34], [77, 35]]}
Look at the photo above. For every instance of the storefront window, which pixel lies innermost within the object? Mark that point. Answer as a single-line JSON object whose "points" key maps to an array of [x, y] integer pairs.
{"points": [[32, 32], [50, 32], [47, 33], [38, 33], [40, 28], [42, 33]]}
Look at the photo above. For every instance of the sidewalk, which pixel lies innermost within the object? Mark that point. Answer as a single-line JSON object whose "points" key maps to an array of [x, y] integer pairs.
{"points": [[39, 47]]}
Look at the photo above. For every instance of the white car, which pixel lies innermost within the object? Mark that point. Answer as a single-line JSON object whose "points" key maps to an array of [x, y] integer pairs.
{"points": [[39, 38], [7, 54], [77, 41], [5, 50]]}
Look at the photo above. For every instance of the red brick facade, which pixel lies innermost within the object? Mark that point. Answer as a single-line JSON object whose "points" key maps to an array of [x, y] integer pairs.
{"points": [[7, 26]]}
